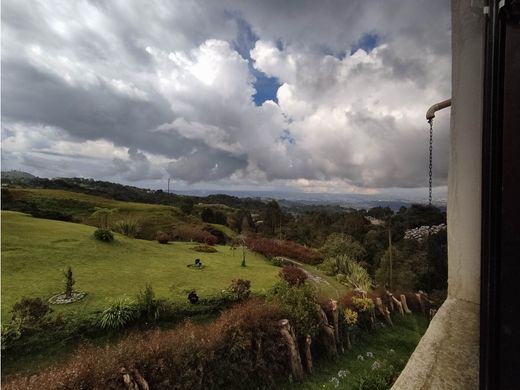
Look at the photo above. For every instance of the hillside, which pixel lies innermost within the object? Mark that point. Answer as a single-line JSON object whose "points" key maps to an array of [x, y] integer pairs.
{"points": [[79, 207], [122, 192], [35, 252]]}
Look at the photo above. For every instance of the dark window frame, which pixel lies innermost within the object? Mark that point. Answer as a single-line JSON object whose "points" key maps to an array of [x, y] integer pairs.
{"points": [[499, 323]]}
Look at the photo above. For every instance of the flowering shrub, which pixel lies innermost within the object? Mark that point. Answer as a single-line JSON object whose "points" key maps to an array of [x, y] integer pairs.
{"points": [[362, 304], [351, 317], [271, 248]]}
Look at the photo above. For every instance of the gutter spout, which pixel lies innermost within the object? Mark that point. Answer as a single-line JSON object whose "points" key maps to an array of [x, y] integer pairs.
{"points": [[430, 114]]}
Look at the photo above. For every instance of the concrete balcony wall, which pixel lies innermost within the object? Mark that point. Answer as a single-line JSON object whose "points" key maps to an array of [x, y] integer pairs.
{"points": [[447, 356]]}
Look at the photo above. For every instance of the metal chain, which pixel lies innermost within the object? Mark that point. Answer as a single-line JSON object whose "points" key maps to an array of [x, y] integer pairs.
{"points": [[430, 167]]}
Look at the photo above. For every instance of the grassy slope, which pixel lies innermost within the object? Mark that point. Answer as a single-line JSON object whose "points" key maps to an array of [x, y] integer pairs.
{"points": [[389, 346], [151, 217], [35, 252]]}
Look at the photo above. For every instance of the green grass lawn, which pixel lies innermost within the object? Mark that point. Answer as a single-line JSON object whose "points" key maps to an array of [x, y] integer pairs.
{"points": [[36, 252]]}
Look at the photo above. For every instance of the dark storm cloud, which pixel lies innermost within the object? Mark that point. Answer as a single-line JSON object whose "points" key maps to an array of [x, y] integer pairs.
{"points": [[142, 90]]}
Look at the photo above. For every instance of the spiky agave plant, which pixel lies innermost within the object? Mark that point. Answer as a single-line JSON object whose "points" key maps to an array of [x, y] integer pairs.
{"points": [[354, 274], [118, 314]]}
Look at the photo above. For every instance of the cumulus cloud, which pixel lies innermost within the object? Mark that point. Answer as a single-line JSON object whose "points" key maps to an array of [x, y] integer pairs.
{"points": [[137, 92]]}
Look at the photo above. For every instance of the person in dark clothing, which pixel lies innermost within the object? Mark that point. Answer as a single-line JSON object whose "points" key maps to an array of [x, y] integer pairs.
{"points": [[193, 297]]}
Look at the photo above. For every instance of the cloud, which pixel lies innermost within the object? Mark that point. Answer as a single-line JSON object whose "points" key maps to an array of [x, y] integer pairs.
{"points": [[138, 92]]}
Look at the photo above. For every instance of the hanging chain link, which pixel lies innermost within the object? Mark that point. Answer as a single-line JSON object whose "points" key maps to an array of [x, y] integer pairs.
{"points": [[430, 167]]}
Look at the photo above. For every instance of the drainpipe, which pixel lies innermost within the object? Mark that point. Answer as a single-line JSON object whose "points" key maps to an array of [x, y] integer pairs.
{"points": [[430, 114]]}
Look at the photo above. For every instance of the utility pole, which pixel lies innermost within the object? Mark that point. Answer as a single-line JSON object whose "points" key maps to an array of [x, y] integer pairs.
{"points": [[390, 251], [168, 185]]}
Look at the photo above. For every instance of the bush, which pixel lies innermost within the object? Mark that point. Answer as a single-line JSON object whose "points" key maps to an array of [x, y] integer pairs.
{"points": [[339, 244], [30, 310], [348, 271], [118, 314], [148, 306], [240, 289], [295, 276], [51, 214], [290, 249], [193, 233], [204, 249], [299, 305], [278, 261], [103, 235], [162, 238], [11, 332], [210, 240], [128, 227], [242, 349]]}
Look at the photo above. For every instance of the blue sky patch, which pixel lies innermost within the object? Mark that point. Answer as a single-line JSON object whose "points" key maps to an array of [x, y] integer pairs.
{"points": [[367, 42], [265, 86]]}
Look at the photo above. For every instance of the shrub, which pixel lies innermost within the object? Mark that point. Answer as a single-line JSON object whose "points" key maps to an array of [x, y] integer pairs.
{"points": [[295, 276], [299, 305], [118, 314], [128, 227], [278, 261], [30, 310], [240, 289], [204, 248], [51, 214], [350, 273], [242, 349], [148, 306], [290, 249], [162, 238], [193, 233], [339, 244], [351, 317], [11, 332], [210, 240], [103, 235]]}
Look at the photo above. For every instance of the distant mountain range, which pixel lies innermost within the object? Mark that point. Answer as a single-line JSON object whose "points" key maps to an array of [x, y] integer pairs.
{"points": [[355, 201], [286, 198]]}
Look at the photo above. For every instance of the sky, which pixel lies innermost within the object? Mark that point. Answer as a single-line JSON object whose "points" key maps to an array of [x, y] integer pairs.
{"points": [[296, 95]]}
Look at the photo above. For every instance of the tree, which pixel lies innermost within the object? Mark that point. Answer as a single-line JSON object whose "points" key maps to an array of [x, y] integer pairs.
{"points": [[69, 283], [103, 217], [207, 215], [409, 264], [220, 218], [241, 239], [272, 218], [187, 206], [380, 212], [339, 244]]}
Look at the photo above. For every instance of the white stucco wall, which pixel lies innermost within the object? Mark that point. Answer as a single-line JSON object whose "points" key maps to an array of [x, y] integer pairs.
{"points": [[464, 177], [447, 356]]}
